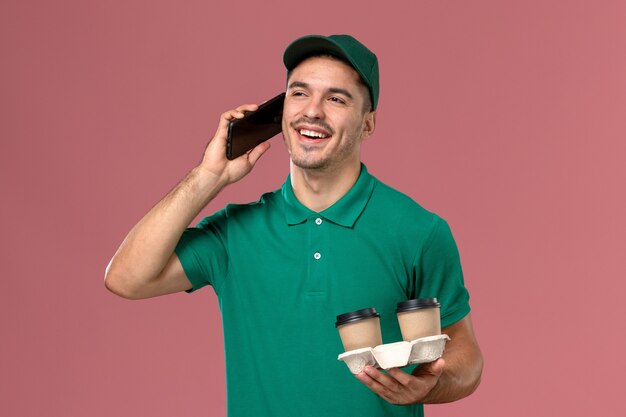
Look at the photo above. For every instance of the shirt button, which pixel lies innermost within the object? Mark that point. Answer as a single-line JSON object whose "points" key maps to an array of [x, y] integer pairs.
{"points": [[318, 221], [317, 255]]}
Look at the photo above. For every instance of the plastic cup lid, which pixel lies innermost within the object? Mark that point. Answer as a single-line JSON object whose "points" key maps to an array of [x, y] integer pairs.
{"points": [[417, 304], [366, 313]]}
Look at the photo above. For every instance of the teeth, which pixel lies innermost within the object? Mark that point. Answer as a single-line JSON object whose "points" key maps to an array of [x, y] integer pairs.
{"points": [[312, 134]]}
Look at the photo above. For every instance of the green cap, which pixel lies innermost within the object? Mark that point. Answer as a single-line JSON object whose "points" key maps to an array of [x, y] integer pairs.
{"points": [[344, 46]]}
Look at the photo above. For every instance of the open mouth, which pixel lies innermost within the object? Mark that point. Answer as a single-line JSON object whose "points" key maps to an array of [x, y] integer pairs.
{"points": [[312, 134]]}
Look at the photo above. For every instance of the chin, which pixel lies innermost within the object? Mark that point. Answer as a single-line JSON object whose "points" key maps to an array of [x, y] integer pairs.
{"points": [[309, 163]]}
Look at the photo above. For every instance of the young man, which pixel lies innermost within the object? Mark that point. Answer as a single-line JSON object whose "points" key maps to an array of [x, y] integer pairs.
{"points": [[333, 239]]}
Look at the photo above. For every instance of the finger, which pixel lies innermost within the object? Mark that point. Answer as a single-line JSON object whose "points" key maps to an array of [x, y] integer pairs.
{"points": [[247, 107], [256, 153], [238, 113], [385, 380], [401, 376], [433, 369], [225, 119], [374, 385]]}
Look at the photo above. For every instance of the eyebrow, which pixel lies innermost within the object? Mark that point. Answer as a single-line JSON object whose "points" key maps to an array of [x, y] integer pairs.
{"points": [[334, 90]]}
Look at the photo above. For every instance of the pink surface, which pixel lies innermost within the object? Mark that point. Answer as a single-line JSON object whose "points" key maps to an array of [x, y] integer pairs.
{"points": [[506, 119]]}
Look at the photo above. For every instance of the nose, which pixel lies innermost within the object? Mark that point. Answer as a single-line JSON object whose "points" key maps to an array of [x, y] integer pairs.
{"points": [[313, 109]]}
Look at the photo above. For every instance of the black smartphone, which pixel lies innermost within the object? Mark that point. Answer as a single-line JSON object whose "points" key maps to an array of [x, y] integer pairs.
{"points": [[255, 127]]}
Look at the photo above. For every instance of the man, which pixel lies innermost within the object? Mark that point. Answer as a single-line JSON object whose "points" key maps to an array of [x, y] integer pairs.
{"points": [[333, 239]]}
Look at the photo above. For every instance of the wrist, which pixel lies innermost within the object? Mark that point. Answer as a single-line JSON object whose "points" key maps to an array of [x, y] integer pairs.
{"points": [[204, 183]]}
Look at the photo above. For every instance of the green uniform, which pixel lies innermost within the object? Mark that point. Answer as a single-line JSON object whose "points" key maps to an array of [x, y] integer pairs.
{"points": [[282, 273]]}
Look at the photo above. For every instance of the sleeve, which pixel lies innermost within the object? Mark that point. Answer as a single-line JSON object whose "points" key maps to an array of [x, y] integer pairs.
{"points": [[202, 251], [438, 273]]}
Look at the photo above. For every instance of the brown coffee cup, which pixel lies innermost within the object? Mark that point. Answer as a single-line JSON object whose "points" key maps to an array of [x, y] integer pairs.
{"points": [[419, 318], [359, 329]]}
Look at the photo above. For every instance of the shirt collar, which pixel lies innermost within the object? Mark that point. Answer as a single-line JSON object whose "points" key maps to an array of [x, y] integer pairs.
{"points": [[344, 212]]}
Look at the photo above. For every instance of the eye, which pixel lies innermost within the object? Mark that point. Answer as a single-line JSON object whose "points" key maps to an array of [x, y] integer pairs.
{"points": [[337, 100], [298, 94]]}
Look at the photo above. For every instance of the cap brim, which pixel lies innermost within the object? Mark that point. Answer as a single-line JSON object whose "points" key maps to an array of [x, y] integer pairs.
{"points": [[304, 47]]}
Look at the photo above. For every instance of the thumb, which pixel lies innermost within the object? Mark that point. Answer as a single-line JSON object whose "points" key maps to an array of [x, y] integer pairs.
{"points": [[256, 153], [431, 369]]}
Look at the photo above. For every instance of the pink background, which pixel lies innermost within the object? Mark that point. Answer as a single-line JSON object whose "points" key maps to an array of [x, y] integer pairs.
{"points": [[508, 119]]}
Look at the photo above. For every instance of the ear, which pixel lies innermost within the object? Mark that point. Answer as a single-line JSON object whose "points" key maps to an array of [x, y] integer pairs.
{"points": [[369, 124]]}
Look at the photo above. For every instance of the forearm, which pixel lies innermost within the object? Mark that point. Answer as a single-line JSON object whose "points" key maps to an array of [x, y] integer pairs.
{"points": [[462, 371], [149, 245]]}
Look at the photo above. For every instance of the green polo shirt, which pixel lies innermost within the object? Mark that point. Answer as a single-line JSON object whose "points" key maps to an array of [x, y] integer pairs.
{"points": [[282, 273]]}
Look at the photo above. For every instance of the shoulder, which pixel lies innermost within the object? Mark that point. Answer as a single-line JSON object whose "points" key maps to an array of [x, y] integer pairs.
{"points": [[267, 204], [401, 207]]}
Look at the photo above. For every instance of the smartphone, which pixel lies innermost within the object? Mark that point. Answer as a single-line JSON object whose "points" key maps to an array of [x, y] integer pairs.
{"points": [[255, 127]]}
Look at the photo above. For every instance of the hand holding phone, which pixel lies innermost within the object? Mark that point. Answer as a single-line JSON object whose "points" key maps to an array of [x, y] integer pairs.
{"points": [[255, 127]]}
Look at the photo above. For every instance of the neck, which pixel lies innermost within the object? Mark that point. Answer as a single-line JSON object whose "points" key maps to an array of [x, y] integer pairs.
{"points": [[319, 189]]}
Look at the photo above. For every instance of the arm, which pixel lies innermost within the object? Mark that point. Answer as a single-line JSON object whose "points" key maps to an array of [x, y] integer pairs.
{"points": [[145, 264], [450, 378]]}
